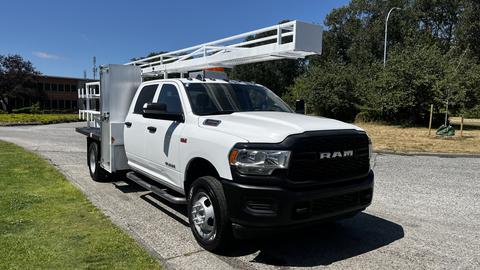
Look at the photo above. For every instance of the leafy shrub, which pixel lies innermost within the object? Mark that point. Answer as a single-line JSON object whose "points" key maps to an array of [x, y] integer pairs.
{"points": [[23, 110], [327, 91], [472, 113], [35, 109], [368, 115]]}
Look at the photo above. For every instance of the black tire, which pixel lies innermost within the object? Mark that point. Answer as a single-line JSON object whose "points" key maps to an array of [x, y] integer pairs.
{"points": [[93, 160], [223, 228]]}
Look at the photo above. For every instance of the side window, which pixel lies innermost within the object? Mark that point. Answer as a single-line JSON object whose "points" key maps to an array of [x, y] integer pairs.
{"points": [[169, 96], [145, 96]]}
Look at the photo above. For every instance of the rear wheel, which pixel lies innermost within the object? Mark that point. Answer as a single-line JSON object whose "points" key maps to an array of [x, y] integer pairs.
{"points": [[93, 159], [208, 214]]}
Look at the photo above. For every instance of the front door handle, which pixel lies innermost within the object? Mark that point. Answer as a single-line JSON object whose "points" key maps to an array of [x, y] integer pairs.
{"points": [[152, 129], [128, 124]]}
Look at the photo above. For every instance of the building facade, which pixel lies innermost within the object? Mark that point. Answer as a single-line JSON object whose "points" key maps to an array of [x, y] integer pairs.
{"points": [[53, 93], [59, 93]]}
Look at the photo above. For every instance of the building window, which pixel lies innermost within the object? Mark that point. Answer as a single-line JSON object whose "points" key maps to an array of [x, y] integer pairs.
{"points": [[61, 88], [74, 88], [48, 87], [67, 87], [54, 87], [40, 86], [74, 104], [68, 104]]}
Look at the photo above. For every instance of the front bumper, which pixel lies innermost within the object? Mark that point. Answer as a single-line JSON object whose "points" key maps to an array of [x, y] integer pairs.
{"points": [[268, 207]]}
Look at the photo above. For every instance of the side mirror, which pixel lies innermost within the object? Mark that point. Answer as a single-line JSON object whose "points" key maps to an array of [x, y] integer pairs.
{"points": [[159, 111], [300, 106]]}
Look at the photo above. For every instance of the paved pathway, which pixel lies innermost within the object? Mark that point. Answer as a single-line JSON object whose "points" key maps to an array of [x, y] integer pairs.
{"points": [[425, 214]]}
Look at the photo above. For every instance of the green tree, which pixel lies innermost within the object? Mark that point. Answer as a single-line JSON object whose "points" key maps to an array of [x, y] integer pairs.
{"points": [[17, 79], [276, 75], [404, 90], [329, 90], [468, 30], [433, 56]]}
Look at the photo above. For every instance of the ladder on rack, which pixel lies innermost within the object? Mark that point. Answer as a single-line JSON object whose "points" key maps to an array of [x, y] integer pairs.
{"points": [[290, 40], [294, 39], [90, 98]]}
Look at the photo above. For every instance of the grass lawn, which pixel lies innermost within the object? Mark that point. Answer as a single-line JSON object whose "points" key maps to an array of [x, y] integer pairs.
{"points": [[46, 223], [25, 118], [416, 139]]}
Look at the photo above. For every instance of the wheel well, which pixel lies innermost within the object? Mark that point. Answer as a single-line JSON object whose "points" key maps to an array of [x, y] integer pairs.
{"points": [[196, 168], [90, 140]]}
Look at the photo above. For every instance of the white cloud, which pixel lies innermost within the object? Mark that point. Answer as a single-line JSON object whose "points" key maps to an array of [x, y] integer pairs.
{"points": [[46, 55]]}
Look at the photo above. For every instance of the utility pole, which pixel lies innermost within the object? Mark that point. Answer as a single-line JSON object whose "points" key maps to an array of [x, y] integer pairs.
{"points": [[386, 29], [94, 67]]}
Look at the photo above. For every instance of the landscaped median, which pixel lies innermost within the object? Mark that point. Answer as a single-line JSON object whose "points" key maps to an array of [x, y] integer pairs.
{"points": [[27, 118], [46, 223], [393, 138]]}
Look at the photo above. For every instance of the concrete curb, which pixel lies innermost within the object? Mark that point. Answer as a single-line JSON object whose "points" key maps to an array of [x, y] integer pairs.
{"points": [[435, 154], [20, 124], [32, 124]]}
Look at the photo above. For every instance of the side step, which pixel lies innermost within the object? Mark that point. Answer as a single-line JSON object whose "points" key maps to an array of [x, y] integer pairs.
{"points": [[162, 192]]}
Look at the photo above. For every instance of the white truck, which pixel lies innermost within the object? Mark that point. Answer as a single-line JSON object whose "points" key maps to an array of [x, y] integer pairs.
{"points": [[238, 156]]}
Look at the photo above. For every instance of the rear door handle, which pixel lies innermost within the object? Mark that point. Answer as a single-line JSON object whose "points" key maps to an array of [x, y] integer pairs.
{"points": [[128, 124], [152, 129]]}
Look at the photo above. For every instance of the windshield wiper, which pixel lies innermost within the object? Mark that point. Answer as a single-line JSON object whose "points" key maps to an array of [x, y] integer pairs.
{"points": [[220, 112]]}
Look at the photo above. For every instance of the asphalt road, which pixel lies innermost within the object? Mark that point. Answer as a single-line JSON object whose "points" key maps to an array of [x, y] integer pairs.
{"points": [[425, 214]]}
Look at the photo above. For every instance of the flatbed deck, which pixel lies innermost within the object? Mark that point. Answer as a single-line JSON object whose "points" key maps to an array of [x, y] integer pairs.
{"points": [[89, 132]]}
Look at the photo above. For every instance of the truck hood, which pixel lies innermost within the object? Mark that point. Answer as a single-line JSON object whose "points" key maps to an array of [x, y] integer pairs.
{"points": [[271, 127]]}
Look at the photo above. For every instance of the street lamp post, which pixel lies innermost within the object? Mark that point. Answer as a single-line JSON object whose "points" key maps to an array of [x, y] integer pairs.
{"points": [[386, 29]]}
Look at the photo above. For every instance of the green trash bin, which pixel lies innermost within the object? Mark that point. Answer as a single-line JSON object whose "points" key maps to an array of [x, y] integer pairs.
{"points": [[444, 130]]}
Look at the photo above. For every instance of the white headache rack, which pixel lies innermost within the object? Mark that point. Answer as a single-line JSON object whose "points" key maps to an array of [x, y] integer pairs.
{"points": [[90, 98], [294, 39]]}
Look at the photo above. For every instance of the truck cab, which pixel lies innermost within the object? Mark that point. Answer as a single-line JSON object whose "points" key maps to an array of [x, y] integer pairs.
{"points": [[243, 159]]}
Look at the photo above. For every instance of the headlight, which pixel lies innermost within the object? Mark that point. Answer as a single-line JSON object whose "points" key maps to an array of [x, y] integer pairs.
{"points": [[259, 162]]}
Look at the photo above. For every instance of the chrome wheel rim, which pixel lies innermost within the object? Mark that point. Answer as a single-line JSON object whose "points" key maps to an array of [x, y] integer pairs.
{"points": [[93, 160], [203, 216]]}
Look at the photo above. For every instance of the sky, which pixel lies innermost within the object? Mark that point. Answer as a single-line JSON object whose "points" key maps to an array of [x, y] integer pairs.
{"points": [[61, 37]]}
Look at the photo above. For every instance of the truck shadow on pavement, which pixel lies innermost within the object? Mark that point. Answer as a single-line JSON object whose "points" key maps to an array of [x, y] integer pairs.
{"points": [[323, 244], [317, 245]]}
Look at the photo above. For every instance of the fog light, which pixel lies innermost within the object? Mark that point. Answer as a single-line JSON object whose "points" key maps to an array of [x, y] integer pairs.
{"points": [[261, 207], [301, 210]]}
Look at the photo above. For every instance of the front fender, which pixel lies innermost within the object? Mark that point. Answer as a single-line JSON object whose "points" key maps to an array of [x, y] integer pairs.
{"points": [[210, 145]]}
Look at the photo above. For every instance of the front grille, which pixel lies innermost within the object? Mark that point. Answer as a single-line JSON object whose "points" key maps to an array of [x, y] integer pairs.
{"points": [[306, 164], [341, 202], [332, 204]]}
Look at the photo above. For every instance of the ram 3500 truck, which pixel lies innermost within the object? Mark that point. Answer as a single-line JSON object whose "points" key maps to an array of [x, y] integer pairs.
{"points": [[237, 155], [241, 158]]}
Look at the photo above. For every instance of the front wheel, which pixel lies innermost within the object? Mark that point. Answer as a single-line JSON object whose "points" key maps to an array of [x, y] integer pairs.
{"points": [[208, 214], [96, 172]]}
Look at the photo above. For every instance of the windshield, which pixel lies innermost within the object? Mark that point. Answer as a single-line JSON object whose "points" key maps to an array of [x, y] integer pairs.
{"points": [[223, 98]]}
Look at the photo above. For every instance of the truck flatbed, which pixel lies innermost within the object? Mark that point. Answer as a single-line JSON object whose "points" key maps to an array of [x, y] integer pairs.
{"points": [[91, 132]]}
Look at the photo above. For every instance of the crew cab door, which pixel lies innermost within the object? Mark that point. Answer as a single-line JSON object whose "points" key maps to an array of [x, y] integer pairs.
{"points": [[163, 139], [136, 127]]}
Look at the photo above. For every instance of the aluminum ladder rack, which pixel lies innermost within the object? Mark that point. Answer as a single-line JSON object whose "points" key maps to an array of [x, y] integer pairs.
{"points": [[290, 40], [89, 98]]}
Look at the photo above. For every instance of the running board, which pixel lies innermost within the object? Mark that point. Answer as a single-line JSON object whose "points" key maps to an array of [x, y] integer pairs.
{"points": [[162, 192]]}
